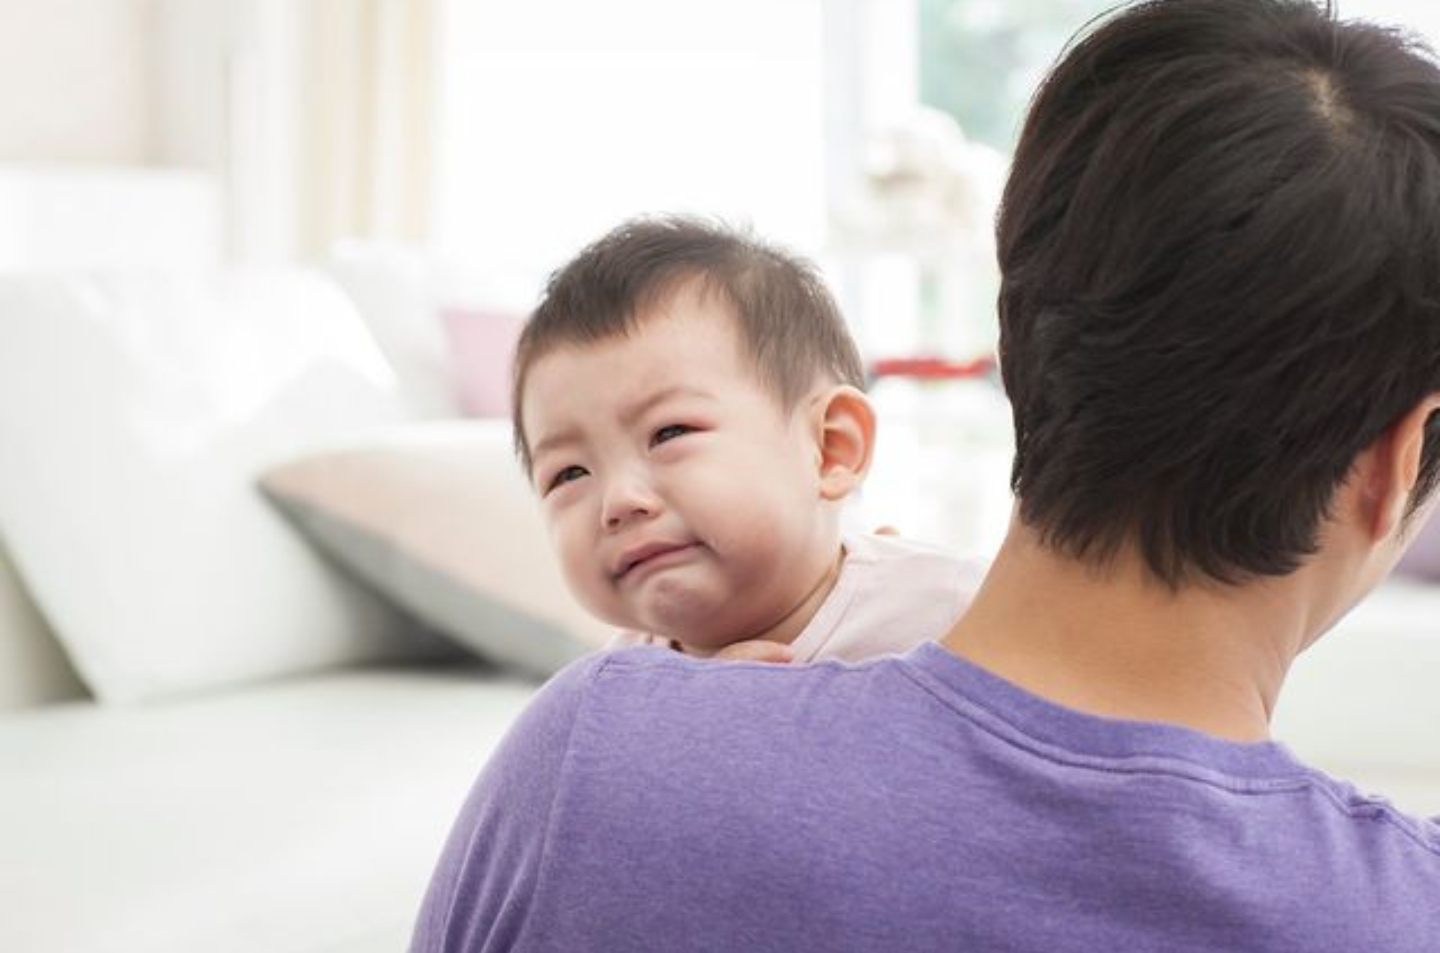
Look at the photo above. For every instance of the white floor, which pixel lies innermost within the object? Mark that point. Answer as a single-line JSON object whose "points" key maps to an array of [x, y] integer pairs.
{"points": [[299, 816]]}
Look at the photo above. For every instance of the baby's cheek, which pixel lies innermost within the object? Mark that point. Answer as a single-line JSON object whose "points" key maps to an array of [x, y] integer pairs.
{"points": [[595, 592], [577, 558], [752, 542]]}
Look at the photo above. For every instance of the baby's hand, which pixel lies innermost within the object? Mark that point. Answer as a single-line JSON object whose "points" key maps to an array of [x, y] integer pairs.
{"points": [[756, 650]]}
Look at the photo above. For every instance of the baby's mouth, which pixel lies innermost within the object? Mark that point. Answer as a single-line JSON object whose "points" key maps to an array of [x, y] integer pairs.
{"points": [[647, 554]]}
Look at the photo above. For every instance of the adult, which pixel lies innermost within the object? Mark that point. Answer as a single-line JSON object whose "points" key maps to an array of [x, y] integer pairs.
{"points": [[1220, 334]]}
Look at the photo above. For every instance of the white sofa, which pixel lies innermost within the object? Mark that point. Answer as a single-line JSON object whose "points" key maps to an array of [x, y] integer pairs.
{"points": [[33, 668], [211, 738]]}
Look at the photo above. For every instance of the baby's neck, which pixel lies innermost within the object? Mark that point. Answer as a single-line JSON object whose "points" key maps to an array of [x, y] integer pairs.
{"points": [[787, 629]]}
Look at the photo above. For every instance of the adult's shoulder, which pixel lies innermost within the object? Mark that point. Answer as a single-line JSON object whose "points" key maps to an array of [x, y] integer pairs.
{"points": [[493, 860], [543, 730]]}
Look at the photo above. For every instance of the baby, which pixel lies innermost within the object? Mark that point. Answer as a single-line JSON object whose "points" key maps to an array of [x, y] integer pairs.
{"points": [[688, 405]]}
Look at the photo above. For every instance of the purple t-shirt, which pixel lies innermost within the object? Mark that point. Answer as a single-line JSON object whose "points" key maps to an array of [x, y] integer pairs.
{"points": [[649, 801]]}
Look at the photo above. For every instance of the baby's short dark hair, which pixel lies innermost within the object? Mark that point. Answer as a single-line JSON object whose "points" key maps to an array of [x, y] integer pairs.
{"points": [[1220, 258], [787, 319]]}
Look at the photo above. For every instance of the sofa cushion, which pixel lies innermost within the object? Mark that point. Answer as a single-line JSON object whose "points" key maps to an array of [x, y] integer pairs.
{"points": [[438, 518], [135, 411]]}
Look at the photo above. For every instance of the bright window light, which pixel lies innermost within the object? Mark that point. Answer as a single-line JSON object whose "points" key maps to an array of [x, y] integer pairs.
{"points": [[561, 118]]}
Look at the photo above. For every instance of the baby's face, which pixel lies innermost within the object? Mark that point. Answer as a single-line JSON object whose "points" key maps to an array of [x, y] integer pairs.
{"points": [[682, 500]]}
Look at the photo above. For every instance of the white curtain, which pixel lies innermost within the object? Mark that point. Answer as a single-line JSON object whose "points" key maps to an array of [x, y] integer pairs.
{"points": [[314, 115], [367, 138]]}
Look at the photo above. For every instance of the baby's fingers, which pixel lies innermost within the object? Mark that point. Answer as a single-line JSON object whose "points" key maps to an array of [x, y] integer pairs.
{"points": [[756, 650]]}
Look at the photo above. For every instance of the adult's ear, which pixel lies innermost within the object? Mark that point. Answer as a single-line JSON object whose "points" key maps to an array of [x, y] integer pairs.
{"points": [[845, 428], [1390, 468]]}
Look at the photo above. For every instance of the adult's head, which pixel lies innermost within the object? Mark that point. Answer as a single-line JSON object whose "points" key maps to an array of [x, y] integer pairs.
{"points": [[1220, 257]]}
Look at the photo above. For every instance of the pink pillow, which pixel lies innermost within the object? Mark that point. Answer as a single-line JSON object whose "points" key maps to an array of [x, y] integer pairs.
{"points": [[482, 347], [1422, 559]]}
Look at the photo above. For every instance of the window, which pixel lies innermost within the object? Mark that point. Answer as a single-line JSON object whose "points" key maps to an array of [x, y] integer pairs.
{"points": [[980, 60], [560, 118]]}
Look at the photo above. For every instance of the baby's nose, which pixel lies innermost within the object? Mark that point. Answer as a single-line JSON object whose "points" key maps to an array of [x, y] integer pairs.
{"points": [[629, 501]]}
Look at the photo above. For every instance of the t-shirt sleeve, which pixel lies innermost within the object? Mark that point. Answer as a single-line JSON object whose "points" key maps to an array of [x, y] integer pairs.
{"points": [[479, 896]]}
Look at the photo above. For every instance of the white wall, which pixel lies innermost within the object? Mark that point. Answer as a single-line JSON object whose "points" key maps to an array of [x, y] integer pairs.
{"points": [[1424, 18], [227, 96], [195, 84], [558, 118], [76, 81]]}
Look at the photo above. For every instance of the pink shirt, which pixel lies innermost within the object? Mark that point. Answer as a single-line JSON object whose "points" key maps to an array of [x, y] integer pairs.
{"points": [[892, 594]]}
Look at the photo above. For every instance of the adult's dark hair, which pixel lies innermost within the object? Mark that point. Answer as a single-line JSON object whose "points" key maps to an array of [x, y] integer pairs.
{"points": [[1220, 258], [787, 319]]}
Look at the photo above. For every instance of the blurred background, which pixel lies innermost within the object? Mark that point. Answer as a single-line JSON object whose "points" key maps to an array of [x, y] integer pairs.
{"points": [[484, 142]]}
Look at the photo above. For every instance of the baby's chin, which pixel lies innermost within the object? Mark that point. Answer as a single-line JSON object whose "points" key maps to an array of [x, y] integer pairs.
{"points": [[701, 615], [703, 627]]}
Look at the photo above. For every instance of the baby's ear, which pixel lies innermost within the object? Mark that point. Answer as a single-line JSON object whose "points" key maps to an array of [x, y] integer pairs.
{"points": [[846, 432]]}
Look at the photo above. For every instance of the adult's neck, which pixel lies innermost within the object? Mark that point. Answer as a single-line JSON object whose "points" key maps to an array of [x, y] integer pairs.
{"points": [[1114, 641]]}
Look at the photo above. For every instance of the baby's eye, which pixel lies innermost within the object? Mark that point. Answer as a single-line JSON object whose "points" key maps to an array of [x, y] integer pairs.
{"points": [[566, 475], [669, 432]]}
